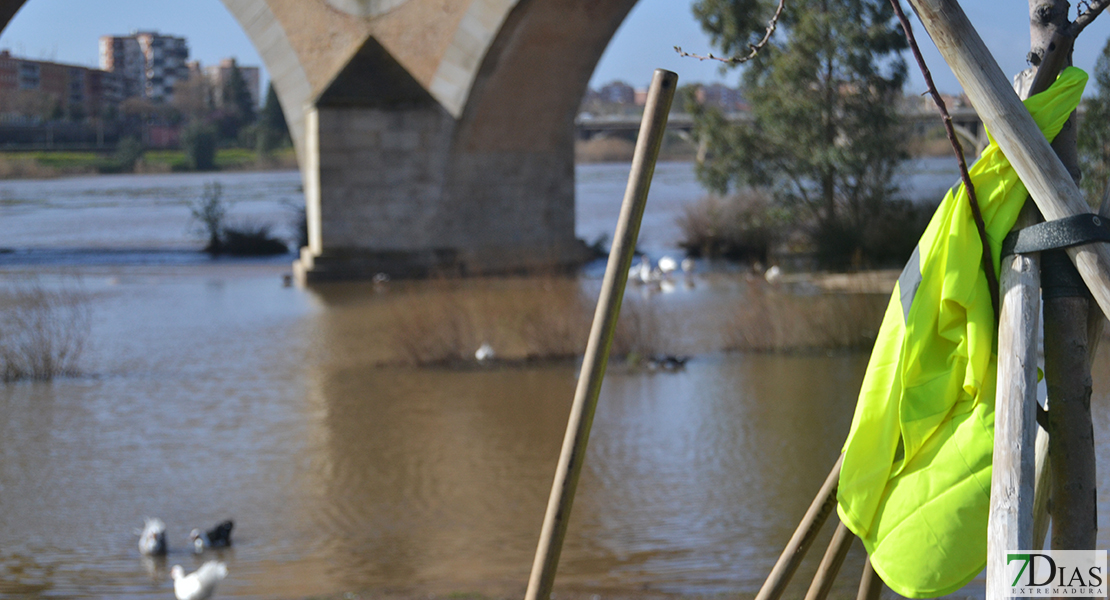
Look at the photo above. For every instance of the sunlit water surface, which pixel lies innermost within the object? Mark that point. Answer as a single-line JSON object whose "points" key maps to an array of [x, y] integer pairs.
{"points": [[211, 391]]}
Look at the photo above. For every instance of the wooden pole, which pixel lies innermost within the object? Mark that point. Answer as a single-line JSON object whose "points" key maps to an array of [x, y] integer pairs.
{"points": [[1010, 526], [819, 510], [1014, 473], [1042, 489], [830, 563], [1048, 182], [870, 585], [654, 124]]}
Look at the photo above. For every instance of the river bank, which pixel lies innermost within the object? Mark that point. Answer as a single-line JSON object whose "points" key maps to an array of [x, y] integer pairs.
{"points": [[49, 164]]}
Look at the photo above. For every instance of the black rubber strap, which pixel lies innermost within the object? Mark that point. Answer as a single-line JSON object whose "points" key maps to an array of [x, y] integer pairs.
{"points": [[1061, 233]]}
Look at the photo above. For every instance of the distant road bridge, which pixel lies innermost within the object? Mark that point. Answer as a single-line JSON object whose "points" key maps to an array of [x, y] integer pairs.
{"points": [[966, 122]]}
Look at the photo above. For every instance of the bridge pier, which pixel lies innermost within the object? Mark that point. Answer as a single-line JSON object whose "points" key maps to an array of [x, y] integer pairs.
{"points": [[388, 190], [434, 136]]}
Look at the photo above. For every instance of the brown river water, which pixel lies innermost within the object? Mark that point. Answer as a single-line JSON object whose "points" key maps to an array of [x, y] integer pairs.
{"points": [[209, 390]]}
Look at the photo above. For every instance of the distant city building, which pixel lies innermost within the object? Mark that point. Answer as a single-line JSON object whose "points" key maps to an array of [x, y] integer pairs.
{"points": [[149, 64], [219, 74], [617, 92], [721, 96], [78, 90]]}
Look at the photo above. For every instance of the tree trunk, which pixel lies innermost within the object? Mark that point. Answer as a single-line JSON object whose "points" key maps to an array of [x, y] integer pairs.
{"points": [[1071, 437]]}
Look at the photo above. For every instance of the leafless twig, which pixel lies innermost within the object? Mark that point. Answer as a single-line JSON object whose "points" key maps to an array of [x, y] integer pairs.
{"points": [[1087, 13], [988, 262], [754, 48]]}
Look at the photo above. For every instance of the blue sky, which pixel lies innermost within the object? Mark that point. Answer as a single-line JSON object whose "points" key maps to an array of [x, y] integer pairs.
{"points": [[67, 31]]}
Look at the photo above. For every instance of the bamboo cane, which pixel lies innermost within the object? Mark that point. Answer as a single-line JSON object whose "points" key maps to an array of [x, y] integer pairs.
{"points": [[870, 584], [830, 563], [819, 510], [660, 95]]}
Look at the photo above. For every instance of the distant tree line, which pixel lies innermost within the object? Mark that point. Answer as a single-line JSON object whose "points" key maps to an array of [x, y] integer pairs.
{"points": [[203, 117]]}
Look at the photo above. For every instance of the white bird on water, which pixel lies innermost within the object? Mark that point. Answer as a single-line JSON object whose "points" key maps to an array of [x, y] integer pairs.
{"points": [[200, 584], [484, 352], [152, 539], [773, 275], [645, 269], [667, 265]]}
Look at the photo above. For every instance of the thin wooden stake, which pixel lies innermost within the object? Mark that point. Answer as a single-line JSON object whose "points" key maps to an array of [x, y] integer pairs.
{"points": [[870, 584], [1013, 478], [830, 563], [1010, 526], [654, 124], [819, 510]]}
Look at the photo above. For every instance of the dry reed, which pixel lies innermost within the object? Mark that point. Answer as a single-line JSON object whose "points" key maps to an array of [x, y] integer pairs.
{"points": [[42, 331], [539, 318], [774, 320], [440, 328]]}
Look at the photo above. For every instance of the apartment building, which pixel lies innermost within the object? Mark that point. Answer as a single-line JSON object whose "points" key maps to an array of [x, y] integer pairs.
{"points": [[219, 74], [149, 64], [78, 90]]}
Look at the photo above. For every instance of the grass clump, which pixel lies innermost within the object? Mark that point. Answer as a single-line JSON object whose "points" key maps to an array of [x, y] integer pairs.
{"points": [[42, 331], [750, 226], [741, 227], [523, 320], [210, 212]]}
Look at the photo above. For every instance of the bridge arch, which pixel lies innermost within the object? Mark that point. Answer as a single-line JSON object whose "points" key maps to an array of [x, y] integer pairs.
{"points": [[432, 135]]}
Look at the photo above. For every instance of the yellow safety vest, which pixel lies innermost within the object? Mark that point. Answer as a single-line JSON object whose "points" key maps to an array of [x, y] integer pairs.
{"points": [[915, 483]]}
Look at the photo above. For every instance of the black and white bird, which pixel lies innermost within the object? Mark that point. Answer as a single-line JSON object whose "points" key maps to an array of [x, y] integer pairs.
{"points": [[200, 584], [152, 538], [217, 537]]}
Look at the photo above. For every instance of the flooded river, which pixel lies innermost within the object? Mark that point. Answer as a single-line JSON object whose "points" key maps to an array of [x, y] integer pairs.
{"points": [[208, 390]]}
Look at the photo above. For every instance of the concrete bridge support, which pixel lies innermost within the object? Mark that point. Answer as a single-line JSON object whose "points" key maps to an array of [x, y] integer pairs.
{"points": [[434, 136]]}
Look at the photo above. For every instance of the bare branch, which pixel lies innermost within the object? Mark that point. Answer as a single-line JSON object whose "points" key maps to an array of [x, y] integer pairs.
{"points": [[1088, 11], [988, 262], [755, 48]]}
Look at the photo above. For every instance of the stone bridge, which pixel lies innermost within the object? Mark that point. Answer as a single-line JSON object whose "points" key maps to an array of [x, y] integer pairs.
{"points": [[432, 135]]}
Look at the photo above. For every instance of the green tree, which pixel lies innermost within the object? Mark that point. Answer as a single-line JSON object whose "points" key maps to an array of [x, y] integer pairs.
{"points": [[199, 142], [128, 153], [273, 131], [1094, 134], [825, 135], [236, 104]]}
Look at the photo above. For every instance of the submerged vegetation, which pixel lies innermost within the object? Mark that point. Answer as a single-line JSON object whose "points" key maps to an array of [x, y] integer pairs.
{"points": [[210, 213], [513, 321], [548, 320], [43, 331]]}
